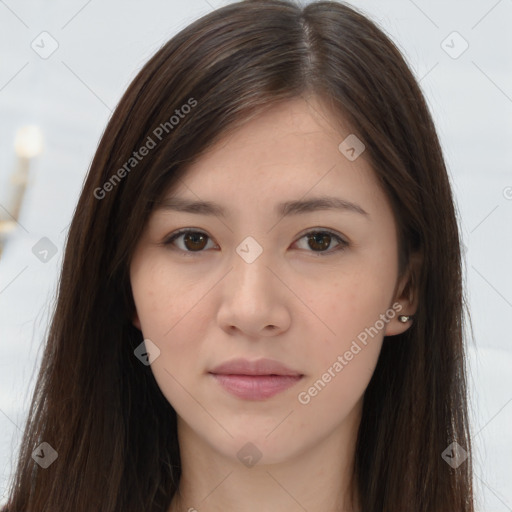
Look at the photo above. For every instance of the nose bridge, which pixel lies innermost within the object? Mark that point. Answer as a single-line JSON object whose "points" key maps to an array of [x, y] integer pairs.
{"points": [[254, 300], [251, 298], [250, 265]]}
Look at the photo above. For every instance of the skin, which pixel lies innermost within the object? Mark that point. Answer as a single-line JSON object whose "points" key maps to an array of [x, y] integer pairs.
{"points": [[204, 308]]}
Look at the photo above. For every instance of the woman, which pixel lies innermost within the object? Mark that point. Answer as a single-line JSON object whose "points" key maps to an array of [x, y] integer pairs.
{"points": [[202, 356]]}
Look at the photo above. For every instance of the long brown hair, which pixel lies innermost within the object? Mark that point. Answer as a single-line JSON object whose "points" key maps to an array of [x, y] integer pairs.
{"points": [[102, 411]]}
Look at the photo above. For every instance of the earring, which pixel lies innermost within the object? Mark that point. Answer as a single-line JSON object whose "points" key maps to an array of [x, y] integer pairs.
{"points": [[404, 318]]}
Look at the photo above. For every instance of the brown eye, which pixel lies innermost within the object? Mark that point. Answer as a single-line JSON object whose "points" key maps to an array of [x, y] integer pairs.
{"points": [[320, 242], [192, 241]]}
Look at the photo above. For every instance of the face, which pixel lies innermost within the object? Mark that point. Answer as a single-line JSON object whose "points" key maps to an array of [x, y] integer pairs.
{"points": [[315, 289]]}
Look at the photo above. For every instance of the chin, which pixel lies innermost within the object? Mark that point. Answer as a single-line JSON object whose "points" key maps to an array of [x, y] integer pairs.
{"points": [[260, 448]]}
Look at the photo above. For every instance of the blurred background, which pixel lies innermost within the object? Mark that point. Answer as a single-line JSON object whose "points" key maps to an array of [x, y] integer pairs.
{"points": [[64, 67]]}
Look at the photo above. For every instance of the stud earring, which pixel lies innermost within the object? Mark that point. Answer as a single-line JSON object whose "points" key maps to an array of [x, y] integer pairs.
{"points": [[404, 318]]}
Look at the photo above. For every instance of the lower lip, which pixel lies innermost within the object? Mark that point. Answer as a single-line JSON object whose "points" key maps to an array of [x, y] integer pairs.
{"points": [[256, 387]]}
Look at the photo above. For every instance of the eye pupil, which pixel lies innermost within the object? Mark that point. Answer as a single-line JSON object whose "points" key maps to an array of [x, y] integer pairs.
{"points": [[194, 237], [318, 237]]}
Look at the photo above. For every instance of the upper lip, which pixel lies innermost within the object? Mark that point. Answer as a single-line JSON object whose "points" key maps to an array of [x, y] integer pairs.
{"points": [[259, 367]]}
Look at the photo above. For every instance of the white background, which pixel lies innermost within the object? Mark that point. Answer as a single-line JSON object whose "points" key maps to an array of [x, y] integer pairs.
{"points": [[102, 45]]}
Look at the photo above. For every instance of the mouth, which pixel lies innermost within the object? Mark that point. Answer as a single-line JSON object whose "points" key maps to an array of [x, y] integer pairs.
{"points": [[256, 387], [255, 380]]}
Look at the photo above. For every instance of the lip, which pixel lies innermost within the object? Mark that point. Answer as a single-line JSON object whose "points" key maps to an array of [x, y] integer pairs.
{"points": [[255, 380], [259, 367]]}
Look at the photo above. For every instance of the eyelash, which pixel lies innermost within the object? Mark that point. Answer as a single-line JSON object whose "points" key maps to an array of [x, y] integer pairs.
{"points": [[343, 244]]}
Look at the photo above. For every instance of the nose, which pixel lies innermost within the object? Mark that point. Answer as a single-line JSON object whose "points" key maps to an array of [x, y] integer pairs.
{"points": [[255, 301]]}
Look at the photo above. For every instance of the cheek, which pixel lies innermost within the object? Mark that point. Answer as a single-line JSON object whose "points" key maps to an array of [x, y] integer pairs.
{"points": [[352, 352], [355, 302], [171, 314], [352, 327], [162, 310], [162, 298], [331, 397], [342, 364]]}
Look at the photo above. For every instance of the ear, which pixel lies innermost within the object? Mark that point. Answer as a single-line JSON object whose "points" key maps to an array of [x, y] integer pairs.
{"points": [[406, 295]]}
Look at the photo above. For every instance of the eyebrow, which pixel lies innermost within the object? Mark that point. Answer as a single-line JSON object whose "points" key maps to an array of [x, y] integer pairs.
{"points": [[284, 209]]}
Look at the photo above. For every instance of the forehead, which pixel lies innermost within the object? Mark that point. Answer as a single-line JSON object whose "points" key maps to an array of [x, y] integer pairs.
{"points": [[287, 153]]}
